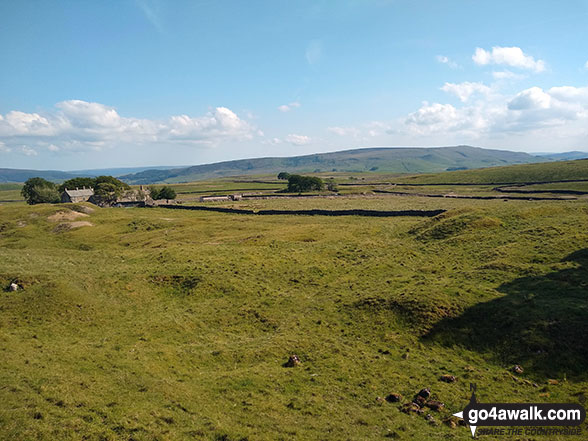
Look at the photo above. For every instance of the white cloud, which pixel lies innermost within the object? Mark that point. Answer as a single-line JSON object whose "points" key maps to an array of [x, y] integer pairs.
{"points": [[4, 148], [526, 112], [344, 131], [446, 60], [466, 89], [28, 151], [507, 75], [510, 56], [298, 139], [586, 65], [288, 107], [81, 125]]}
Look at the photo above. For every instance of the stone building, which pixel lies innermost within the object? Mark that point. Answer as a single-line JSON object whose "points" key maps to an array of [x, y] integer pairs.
{"points": [[77, 195]]}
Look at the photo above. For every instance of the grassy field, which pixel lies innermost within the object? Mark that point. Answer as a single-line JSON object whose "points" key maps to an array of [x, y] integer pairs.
{"points": [[155, 324]]}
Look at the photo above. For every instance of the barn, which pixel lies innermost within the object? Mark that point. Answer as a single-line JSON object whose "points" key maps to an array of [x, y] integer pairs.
{"points": [[77, 195]]}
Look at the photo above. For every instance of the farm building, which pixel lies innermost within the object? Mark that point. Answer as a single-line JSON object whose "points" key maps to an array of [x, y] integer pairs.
{"points": [[77, 195]]}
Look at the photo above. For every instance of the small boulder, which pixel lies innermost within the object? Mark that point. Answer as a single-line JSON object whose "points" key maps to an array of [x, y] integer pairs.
{"points": [[411, 407], [419, 400], [293, 361], [13, 287], [425, 393], [394, 398], [435, 405], [448, 378], [517, 369]]}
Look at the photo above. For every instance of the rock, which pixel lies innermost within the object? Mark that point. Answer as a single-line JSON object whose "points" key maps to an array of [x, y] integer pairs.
{"points": [[380, 400], [454, 421], [419, 400], [394, 398], [425, 393], [435, 405], [432, 421], [517, 369], [448, 378], [13, 287], [552, 382], [293, 361], [412, 407]]}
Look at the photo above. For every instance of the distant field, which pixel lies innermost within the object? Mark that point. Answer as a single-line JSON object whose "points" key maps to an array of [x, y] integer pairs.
{"points": [[155, 324], [10, 193]]}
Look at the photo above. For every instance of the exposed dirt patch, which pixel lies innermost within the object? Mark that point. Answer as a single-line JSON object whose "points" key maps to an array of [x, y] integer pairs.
{"points": [[61, 216]]}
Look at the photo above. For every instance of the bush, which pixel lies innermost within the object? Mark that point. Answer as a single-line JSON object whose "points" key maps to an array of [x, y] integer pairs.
{"points": [[164, 192], [40, 191], [300, 184]]}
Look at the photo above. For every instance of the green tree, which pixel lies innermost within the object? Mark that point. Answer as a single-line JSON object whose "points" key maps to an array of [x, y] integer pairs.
{"points": [[72, 184], [300, 184], [164, 192], [331, 184], [283, 175], [40, 191]]}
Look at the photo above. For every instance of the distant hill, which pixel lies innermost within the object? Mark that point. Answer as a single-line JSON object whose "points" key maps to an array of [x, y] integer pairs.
{"points": [[390, 160], [543, 172], [566, 156], [18, 175]]}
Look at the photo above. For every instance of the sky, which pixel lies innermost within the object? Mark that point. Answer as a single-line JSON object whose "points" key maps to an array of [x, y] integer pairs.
{"points": [[150, 82]]}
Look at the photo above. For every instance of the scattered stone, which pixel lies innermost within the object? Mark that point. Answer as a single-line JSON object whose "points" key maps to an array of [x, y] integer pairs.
{"points": [[293, 361], [435, 405], [517, 369], [394, 398], [380, 400], [552, 382], [448, 378], [13, 287]]}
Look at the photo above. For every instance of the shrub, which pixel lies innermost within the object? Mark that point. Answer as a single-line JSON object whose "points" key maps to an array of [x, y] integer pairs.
{"points": [[283, 175], [300, 184], [164, 192], [40, 191]]}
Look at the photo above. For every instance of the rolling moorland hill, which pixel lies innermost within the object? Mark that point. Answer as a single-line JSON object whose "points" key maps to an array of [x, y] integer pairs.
{"points": [[390, 160], [524, 173]]}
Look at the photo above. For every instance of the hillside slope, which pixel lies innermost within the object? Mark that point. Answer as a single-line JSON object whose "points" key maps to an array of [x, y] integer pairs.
{"points": [[391, 160], [544, 172]]}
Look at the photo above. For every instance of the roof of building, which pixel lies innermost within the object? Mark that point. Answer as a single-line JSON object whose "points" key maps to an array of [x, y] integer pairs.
{"points": [[80, 192]]}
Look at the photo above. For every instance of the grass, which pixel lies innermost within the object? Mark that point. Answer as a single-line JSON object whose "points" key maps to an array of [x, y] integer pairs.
{"points": [[549, 171], [155, 324]]}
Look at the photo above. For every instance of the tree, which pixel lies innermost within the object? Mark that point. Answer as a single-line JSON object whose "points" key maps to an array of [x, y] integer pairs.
{"points": [[164, 192], [331, 184], [300, 184], [74, 183], [283, 175], [40, 191]]}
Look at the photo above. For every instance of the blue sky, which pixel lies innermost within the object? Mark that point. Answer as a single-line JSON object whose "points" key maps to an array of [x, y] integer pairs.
{"points": [[150, 82]]}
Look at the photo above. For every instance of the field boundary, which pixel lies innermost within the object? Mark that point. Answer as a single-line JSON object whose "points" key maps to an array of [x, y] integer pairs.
{"points": [[314, 212]]}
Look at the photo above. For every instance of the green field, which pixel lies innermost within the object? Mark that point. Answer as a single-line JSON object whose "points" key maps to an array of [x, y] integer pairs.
{"points": [[157, 324]]}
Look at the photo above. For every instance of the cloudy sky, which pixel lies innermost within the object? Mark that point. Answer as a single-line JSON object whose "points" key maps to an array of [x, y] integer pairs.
{"points": [[153, 82]]}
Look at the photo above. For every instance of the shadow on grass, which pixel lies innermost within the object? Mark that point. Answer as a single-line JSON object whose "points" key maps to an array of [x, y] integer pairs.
{"points": [[541, 323]]}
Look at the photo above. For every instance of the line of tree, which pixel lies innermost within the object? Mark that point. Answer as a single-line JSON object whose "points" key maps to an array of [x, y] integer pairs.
{"points": [[301, 184]]}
